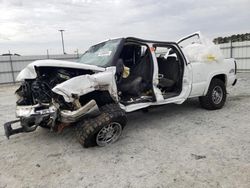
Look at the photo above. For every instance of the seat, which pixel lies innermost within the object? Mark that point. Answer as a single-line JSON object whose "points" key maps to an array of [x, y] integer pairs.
{"points": [[165, 83], [169, 68], [131, 86], [138, 80]]}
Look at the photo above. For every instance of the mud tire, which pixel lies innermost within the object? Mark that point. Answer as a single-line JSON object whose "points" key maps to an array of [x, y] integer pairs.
{"points": [[87, 130], [208, 102]]}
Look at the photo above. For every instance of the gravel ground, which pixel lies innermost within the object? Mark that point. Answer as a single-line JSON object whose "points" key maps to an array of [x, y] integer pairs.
{"points": [[170, 146]]}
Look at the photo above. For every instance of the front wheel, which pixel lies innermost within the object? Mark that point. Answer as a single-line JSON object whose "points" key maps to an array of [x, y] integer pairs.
{"points": [[216, 95], [104, 129]]}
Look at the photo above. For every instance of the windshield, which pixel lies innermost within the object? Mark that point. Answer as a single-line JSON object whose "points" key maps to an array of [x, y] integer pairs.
{"points": [[100, 54]]}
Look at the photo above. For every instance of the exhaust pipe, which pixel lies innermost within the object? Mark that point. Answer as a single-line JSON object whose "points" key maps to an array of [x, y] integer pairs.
{"points": [[89, 109]]}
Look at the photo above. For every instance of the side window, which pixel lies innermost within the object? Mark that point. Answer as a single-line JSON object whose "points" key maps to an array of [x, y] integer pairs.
{"points": [[132, 54], [165, 52], [192, 39]]}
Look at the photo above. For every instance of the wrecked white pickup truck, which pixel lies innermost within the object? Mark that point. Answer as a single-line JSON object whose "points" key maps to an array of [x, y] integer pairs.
{"points": [[118, 76]]}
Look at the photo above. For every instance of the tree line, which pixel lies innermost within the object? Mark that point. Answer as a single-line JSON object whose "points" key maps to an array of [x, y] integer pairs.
{"points": [[233, 38]]}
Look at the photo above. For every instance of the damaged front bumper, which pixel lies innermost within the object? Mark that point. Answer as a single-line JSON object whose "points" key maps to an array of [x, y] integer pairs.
{"points": [[30, 117]]}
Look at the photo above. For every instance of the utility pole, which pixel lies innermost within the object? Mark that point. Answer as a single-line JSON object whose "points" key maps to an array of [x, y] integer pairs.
{"points": [[11, 67], [61, 30], [47, 54], [231, 48], [77, 53]]}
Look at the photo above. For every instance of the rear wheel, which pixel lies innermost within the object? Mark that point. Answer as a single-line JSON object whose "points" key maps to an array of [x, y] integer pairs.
{"points": [[216, 95], [104, 129]]}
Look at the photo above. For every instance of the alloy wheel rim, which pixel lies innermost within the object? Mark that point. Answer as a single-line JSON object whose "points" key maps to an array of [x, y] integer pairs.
{"points": [[217, 95], [109, 134]]}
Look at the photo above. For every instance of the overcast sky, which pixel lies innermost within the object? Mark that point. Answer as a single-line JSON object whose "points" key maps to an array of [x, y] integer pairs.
{"points": [[31, 27]]}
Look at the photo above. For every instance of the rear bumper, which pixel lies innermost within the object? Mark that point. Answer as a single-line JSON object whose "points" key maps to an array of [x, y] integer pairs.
{"points": [[235, 81], [235, 72]]}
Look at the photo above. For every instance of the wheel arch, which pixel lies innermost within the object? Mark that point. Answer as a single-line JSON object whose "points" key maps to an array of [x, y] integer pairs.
{"points": [[102, 97], [220, 76]]}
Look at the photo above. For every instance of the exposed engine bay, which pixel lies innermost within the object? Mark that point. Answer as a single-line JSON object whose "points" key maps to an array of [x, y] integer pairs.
{"points": [[39, 90], [38, 105]]}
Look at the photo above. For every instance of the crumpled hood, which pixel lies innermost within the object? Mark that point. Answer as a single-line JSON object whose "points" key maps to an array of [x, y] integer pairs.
{"points": [[29, 71], [81, 85]]}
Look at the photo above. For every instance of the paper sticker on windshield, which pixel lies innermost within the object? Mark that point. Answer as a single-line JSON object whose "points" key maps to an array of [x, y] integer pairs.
{"points": [[108, 53]]}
